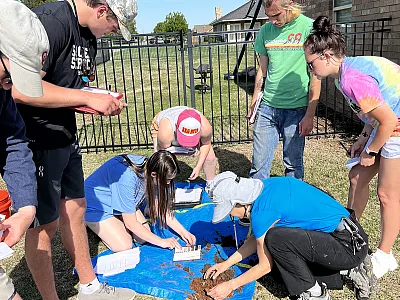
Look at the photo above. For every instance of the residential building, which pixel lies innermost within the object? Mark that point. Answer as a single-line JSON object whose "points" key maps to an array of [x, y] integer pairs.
{"points": [[238, 19]]}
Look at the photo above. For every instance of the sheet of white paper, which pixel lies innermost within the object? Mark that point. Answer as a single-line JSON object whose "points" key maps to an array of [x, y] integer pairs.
{"points": [[181, 150], [5, 251], [101, 91], [352, 162], [256, 106], [117, 262], [2, 218], [187, 195], [187, 253]]}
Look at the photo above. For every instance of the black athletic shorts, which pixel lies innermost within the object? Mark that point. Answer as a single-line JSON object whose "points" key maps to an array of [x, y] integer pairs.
{"points": [[59, 176]]}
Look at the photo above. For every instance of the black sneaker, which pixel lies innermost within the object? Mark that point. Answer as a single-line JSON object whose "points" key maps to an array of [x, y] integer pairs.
{"points": [[244, 222]]}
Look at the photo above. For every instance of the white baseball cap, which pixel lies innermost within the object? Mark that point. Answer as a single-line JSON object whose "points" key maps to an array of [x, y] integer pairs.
{"points": [[125, 11], [24, 41], [227, 189]]}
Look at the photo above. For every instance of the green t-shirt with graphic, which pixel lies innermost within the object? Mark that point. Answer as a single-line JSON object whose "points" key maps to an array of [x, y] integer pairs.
{"points": [[287, 80]]}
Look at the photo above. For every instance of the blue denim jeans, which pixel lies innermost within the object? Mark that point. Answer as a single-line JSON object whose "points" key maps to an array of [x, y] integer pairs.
{"points": [[270, 123]]}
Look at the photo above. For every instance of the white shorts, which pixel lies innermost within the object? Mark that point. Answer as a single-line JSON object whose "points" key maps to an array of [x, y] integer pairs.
{"points": [[391, 149]]}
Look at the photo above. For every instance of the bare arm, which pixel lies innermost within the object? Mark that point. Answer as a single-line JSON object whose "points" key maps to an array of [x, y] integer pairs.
{"points": [[173, 223], [55, 96], [387, 122], [133, 225], [259, 82], [263, 267], [163, 135], [205, 141], [307, 123]]}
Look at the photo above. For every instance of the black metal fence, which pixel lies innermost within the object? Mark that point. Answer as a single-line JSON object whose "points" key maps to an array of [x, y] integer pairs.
{"points": [[157, 71]]}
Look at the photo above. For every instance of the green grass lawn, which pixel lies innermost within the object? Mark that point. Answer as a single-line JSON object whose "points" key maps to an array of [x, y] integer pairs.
{"points": [[324, 167], [151, 80]]}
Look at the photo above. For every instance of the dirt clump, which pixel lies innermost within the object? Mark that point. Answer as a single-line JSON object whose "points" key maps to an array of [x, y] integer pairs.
{"points": [[203, 286], [187, 269]]}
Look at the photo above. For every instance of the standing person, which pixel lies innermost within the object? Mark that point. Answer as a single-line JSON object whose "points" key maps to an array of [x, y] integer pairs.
{"points": [[23, 45], [72, 27], [371, 86], [183, 126], [290, 97], [299, 228], [116, 191]]}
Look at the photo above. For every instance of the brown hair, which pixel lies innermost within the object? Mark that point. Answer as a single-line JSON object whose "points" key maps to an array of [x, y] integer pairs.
{"points": [[325, 36], [165, 165], [95, 3]]}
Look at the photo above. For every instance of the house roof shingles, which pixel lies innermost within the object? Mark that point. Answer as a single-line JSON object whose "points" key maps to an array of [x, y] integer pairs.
{"points": [[240, 14]]}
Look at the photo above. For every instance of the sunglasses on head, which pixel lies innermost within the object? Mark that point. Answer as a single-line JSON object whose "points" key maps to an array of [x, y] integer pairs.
{"points": [[8, 75]]}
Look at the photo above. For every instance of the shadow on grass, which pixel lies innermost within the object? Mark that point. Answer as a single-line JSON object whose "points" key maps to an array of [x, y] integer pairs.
{"points": [[63, 272], [232, 161]]}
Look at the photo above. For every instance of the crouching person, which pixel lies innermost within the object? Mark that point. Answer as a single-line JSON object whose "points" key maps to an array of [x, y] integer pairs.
{"points": [[117, 190], [295, 226]]}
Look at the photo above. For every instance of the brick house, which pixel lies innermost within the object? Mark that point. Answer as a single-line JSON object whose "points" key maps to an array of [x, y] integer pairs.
{"points": [[361, 10], [378, 38]]}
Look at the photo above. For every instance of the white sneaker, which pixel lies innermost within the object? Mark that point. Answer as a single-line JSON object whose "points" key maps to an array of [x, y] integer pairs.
{"points": [[383, 263], [107, 292]]}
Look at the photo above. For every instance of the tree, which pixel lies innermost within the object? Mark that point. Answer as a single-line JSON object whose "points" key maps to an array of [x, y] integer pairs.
{"points": [[160, 27], [132, 27], [176, 21], [35, 3]]}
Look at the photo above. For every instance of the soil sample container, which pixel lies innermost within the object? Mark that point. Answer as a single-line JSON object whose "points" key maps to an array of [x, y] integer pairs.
{"points": [[5, 207]]}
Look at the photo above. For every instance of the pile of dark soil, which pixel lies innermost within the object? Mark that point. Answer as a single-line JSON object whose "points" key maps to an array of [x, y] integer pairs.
{"points": [[203, 286]]}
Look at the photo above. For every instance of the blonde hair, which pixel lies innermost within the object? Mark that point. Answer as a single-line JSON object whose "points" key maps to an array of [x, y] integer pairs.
{"points": [[294, 7]]}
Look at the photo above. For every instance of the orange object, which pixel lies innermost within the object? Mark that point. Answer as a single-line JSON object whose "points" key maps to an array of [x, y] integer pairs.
{"points": [[5, 205]]}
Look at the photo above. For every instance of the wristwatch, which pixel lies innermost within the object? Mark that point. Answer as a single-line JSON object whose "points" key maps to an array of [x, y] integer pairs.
{"points": [[370, 152]]}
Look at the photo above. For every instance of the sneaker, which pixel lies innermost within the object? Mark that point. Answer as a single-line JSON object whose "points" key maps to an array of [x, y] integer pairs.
{"points": [[362, 279], [307, 295], [244, 222], [383, 263], [107, 292]]}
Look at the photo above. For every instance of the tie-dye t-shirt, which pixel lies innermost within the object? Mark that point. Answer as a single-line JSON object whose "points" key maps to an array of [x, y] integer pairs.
{"points": [[368, 82]]}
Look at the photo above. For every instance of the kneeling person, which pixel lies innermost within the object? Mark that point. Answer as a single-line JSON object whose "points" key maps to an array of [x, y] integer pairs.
{"points": [[295, 225], [117, 189], [186, 127]]}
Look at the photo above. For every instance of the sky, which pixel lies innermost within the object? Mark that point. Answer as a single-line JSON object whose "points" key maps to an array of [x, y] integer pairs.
{"points": [[196, 12]]}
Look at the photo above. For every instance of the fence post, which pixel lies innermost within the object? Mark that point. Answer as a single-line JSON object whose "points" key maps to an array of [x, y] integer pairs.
{"points": [[191, 69], [182, 50]]}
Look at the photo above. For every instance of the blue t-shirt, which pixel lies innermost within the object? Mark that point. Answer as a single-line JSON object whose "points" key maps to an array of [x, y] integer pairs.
{"points": [[297, 205], [113, 189]]}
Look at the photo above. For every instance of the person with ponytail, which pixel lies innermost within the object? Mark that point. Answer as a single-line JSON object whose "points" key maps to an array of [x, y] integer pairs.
{"points": [[290, 96], [116, 191], [371, 86]]}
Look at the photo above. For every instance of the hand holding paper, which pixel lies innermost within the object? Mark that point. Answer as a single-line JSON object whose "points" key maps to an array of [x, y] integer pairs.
{"points": [[253, 112], [101, 101]]}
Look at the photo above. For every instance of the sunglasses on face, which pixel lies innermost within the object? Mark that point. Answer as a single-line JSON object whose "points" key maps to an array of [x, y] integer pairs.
{"points": [[310, 64], [87, 75], [8, 75]]}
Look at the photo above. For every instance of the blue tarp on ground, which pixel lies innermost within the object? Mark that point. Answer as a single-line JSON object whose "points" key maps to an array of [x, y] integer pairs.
{"points": [[159, 276]]}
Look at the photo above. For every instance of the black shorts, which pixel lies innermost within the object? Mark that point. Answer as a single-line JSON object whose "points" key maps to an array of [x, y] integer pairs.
{"points": [[59, 176]]}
